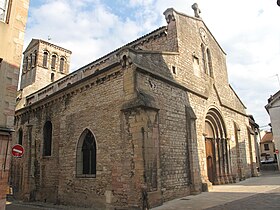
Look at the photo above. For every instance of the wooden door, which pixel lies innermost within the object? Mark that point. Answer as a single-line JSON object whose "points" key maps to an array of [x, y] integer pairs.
{"points": [[210, 160]]}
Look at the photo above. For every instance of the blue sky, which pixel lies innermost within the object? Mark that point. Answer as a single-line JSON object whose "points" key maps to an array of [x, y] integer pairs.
{"points": [[248, 31]]}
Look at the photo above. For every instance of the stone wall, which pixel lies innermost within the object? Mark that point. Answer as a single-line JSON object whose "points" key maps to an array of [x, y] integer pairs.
{"points": [[147, 110]]}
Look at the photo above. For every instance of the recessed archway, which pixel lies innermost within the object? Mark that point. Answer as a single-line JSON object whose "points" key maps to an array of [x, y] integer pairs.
{"points": [[216, 147]]}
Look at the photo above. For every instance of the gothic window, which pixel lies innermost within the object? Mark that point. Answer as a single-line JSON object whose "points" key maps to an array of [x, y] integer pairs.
{"points": [[209, 59], [203, 58], [53, 61], [61, 65], [86, 155], [20, 135], [45, 59], [47, 133], [4, 8]]}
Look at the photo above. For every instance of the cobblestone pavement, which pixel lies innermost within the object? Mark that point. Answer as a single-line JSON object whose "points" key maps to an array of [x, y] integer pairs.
{"points": [[256, 193]]}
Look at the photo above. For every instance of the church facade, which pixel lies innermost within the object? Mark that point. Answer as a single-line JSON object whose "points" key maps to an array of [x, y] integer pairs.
{"points": [[149, 122]]}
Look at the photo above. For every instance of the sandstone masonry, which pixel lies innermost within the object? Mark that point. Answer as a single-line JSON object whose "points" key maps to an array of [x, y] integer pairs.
{"points": [[152, 121]]}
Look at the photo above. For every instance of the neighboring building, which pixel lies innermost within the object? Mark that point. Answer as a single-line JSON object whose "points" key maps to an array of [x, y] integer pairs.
{"points": [[255, 136], [43, 63], [13, 17], [273, 109], [149, 122], [267, 148]]}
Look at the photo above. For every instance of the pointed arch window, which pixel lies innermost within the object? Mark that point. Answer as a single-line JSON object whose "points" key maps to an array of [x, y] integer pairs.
{"points": [[209, 59], [47, 132], [86, 155], [203, 58], [45, 59]]}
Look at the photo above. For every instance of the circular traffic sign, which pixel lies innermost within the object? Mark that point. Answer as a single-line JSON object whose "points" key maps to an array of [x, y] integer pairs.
{"points": [[17, 150], [277, 151]]}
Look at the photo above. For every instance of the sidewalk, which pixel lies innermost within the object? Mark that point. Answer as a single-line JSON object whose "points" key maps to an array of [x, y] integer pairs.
{"points": [[255, 193]]}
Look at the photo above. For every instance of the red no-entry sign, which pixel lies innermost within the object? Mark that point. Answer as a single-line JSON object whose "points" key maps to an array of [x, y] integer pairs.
{"points": [[17, 150], [276, 151]]}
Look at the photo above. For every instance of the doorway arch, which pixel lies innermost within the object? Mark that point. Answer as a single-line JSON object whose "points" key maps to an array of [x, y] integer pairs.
{"points": [[216, 147]]}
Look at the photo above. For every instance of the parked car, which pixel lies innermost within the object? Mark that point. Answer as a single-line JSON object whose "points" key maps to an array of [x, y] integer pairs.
{"points": [[267, 160]]}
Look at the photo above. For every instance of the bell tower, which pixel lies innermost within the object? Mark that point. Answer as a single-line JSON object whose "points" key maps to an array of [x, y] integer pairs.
{"points": [[43, 63]]}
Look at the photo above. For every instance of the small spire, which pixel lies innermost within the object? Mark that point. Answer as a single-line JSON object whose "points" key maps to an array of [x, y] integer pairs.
{"points": [[196, 10]]}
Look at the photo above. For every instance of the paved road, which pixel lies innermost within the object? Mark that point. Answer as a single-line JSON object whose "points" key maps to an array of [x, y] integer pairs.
{"points": [[256, 193]]}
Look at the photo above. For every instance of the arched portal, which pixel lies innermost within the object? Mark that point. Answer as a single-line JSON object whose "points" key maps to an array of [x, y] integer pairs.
{"points": [[216, 147]]}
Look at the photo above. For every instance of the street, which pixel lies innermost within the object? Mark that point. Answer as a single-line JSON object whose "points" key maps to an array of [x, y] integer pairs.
{"points": [[261, 192]]}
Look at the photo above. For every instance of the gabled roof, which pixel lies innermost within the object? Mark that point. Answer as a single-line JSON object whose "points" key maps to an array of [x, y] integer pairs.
{"points": [[36, 41], [267, 138], [199, 19]]}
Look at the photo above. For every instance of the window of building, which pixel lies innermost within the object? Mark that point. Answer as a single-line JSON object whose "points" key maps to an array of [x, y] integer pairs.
{"points": [[31, 61], [203, 58], [20, 136], [52, 77], [47, 133], [34, 60], [209, 59], [4, 8], [266, 146], [61, 65], [45, 59], [53, 61], [26, 63], [174, 70], [86, 155]]}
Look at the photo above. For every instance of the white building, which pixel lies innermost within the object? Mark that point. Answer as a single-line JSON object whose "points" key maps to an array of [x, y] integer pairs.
{"points": [[273, 109]]}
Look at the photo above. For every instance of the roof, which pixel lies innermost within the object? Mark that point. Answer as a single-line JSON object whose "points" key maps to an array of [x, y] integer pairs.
{"points": [[35, 41], [267, 138], [272, 99]]}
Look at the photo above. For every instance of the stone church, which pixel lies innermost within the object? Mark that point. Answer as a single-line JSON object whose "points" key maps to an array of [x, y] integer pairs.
{"points": [[149, 122]]}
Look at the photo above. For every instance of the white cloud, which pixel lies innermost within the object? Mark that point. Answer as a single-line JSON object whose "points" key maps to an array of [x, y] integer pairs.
{"points": [[247, 30]]}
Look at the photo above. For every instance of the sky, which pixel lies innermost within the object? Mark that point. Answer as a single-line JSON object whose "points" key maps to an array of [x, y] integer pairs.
{"points": [[248, 31]]}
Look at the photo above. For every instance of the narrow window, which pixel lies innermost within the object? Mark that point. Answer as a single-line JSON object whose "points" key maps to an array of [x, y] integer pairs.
{"points": [[209, 59], [45, 59], [47, 133], [52, 77], [86, 155], [34, 59], [174, 70], [4, 8], [266, 147], [89, 154], [203, 58], [20, 135], [31, 61], [26, 63], [61, 65], [53, 61]]}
